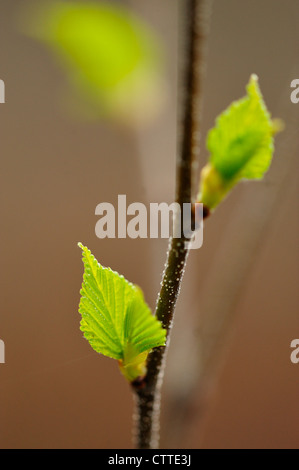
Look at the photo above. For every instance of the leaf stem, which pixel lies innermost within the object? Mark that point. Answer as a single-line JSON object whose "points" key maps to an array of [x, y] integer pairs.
{"points": [[148, 389]]}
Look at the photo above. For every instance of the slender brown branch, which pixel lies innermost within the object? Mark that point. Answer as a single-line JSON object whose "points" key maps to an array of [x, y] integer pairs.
{"points": [[148, 389]]}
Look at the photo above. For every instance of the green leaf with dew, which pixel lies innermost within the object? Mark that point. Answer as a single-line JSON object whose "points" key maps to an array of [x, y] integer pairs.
{"points": [[116, 320]]}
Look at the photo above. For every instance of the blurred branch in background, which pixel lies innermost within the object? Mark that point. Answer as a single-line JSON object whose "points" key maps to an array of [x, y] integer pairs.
{"points": [[204, 342]]}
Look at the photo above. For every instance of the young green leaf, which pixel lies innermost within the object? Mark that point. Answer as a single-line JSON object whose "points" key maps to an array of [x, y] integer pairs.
{"points": [[116, 320], [241, 145]]}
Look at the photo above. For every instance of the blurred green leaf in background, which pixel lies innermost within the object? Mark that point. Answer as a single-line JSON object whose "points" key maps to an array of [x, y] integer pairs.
{"points": [[109, 54]]}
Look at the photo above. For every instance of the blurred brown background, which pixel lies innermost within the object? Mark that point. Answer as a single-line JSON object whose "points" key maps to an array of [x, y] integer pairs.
{"points": [[55, 392]]}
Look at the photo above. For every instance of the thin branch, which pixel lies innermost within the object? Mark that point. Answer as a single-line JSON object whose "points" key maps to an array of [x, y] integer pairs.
{"points": [[148, 389]]}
